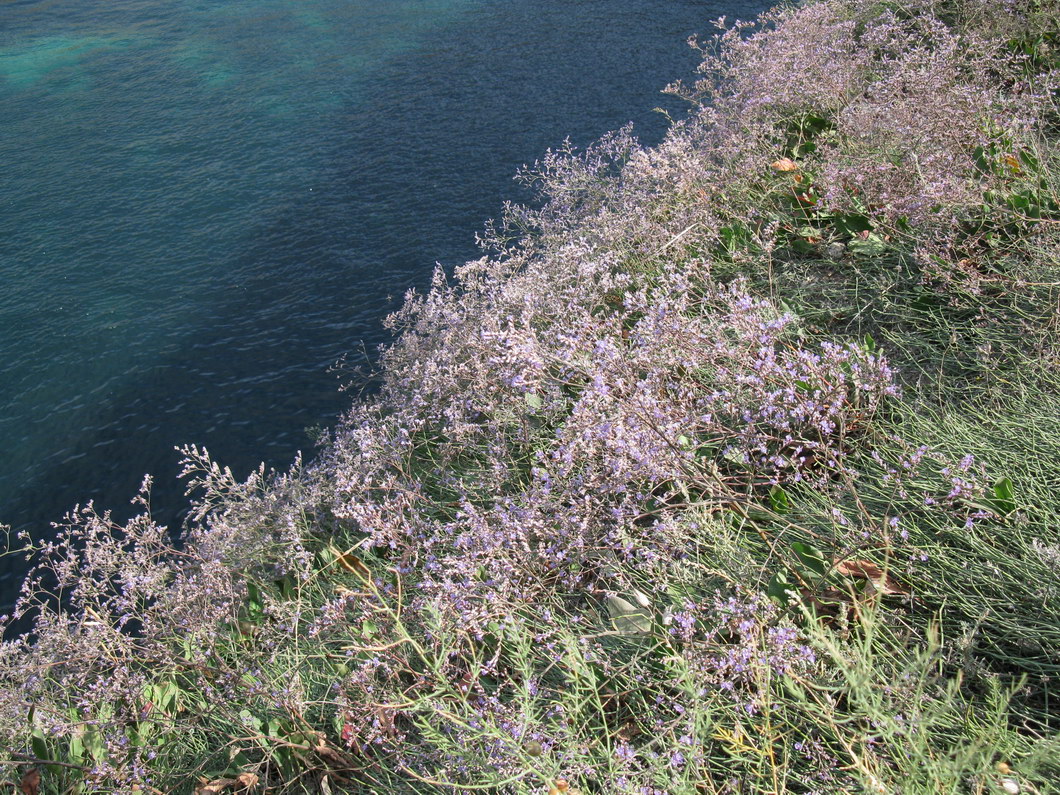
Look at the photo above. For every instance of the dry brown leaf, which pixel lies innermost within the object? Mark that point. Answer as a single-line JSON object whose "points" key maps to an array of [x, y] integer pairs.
{"points": [[335, 758], [351, 563], [629, 731], [867, 570], [828, 604], [784, 164], [356, 566], [31, 782], [244, 782]]}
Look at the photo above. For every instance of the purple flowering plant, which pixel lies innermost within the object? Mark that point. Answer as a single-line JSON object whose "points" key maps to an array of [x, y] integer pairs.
{"points": [[724, 469]]}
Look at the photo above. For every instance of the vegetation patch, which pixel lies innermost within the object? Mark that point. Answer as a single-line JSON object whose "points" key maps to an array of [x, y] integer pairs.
{"points": [[728, 468]]}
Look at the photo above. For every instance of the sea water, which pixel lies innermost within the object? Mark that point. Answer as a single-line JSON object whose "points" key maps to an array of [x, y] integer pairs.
{"points": [[205, 204]]}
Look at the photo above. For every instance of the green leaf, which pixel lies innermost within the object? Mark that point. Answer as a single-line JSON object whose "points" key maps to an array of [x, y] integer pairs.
{"points": [[93, 743], [326, 556], [139, 733], [781, 589], [255, 604], [251, 720], [982, 162], [1004, 500], [628, 618], [734, 457], [1028, 159], [868, 343], [39, 745], [75, 749], [794, 689], [163, 695], [815, 123], [240, 763], [735, 236], [286, 587], [871, 246], [852, 223], [1022, 202], [810, 557], [532, 400], [779, 500]]}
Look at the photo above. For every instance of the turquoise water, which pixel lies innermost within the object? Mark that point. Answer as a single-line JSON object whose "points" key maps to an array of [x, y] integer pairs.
{"points": [[204, 205]]}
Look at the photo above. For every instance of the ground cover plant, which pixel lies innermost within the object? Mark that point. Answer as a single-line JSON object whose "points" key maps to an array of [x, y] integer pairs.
{"points": [[730, 467]]}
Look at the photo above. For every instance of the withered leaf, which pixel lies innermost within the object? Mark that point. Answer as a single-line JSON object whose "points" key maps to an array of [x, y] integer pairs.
{"points": [[356, 566], [31, 782], [351, 563], [867, 570], [784, 164], [385, 714], [243, 782], [336, 759], [826, 602], [215, 787]]}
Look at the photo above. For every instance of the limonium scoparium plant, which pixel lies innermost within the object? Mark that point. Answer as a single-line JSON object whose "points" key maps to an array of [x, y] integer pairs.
{"points": [[632, 510]]}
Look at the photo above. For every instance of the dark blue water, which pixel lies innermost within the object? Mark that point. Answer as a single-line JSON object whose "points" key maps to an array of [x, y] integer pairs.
{"points": [[205, 204]]}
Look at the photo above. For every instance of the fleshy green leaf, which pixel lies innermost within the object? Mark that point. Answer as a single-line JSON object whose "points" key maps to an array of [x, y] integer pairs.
{"points": [[779, 500], [810, 557], [1004, 496], [39, 745], [781, 589]]}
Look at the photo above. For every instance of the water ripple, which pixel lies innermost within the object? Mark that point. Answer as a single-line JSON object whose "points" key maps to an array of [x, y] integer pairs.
{"points": [[203, 205]]}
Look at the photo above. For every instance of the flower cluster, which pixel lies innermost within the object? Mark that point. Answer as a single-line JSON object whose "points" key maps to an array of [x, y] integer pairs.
{"points": [[494, 562]]}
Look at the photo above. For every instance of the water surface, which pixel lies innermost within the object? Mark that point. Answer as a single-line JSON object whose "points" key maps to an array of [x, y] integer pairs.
{"points": [[204, 205]]}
